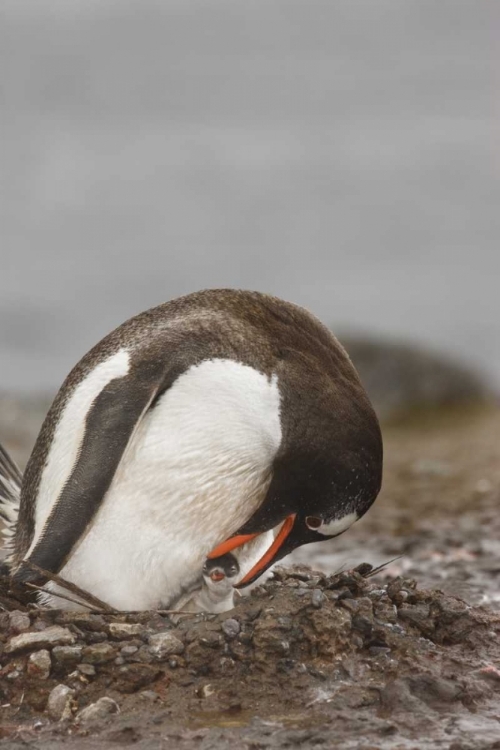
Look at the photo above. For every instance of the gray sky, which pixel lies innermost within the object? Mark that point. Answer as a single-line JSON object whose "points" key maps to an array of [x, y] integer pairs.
{"points": [[341, 154]]}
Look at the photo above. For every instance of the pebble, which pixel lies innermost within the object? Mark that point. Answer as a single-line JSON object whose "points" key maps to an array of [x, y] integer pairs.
{"points": [[18, 621], [357, 641], [67, 655], [120, 630], [417, 615], [363, 569], [363, 624], [231, 627], [377, 593], [149, 695], [39, 664], [302, 591], [128, 650], [96, 637], [164, 644], [99, 653], [483, 486], [97, 711], [60, 702], [396, 628], [52, 636], [317, 598], [87, 669]]}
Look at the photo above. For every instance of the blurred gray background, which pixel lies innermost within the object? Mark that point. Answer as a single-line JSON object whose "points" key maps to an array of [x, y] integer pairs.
{"points": [[342, 154]]}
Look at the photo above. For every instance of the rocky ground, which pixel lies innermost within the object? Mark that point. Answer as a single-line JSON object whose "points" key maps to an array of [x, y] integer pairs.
{"points": [[307, 659], [406, 658]]}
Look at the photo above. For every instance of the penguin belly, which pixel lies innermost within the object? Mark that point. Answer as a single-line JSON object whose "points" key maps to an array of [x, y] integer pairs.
{"points": [[197, 467]]}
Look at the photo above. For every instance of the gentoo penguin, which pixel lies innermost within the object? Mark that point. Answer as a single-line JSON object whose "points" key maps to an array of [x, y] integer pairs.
{"points": [[217, 591], [193, 430]]}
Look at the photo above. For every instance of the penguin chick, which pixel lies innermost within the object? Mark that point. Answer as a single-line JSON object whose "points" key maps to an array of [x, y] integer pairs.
{"points": [[219, 578], [217, 589]]}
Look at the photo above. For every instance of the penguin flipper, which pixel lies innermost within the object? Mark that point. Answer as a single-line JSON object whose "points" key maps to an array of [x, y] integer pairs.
{"points": [[109, 427]]}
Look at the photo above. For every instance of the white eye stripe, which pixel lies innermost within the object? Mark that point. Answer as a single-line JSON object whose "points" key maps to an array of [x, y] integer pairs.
{"points": [[338, 525]]}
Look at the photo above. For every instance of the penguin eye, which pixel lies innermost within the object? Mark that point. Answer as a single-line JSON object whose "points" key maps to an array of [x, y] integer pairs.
{"points": [[313, 522]]}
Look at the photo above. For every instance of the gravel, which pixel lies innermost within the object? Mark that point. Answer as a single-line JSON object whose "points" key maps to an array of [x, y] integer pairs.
{"points": [[51, 636]]}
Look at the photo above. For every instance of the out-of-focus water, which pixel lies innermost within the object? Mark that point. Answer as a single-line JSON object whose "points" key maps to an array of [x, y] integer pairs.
{"points": [[339, 153]]}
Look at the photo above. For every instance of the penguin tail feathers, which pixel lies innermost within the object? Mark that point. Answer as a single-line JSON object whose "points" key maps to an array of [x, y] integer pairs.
{"points": [[10, 493]]}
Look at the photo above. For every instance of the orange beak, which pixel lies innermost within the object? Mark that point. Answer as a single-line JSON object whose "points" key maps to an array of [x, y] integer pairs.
{"points": [[266, 559], [217, 575]]}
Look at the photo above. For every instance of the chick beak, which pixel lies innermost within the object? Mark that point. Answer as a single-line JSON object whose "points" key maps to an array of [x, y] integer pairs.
{"points": [[217, 575], [267, 558]]}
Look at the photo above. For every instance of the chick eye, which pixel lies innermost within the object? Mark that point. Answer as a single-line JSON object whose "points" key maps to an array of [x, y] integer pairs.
{"points": [[313, 522]]}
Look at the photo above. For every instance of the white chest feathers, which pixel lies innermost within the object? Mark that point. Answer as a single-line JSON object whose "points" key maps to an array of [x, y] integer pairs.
{"points": [[198, 466]]}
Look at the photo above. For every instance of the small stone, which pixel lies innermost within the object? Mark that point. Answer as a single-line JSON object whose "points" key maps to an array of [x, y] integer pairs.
{"points": [[357, 641], [60, 702], [164, 644], [301, 591], [317, 598], [40, 624], [133, 677], [18, 621], [363, 624], [395, 587], [39, 664], [52, 636], [119, 661], [416, 615], [121, 630], [205, 691], [231, 627], [128, 650], [96, 636], [97, 711], [483, 486], [142, 655], [363, 569], [83, 620], [386, 612], [211, 640], [396, 628], [377, 593], [66, 655], [87, 669], [490, 672], [99, 653], [149, 695]]}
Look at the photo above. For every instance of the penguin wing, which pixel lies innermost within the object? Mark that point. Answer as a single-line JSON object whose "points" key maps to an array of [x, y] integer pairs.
{"points": [[108, 428]]}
